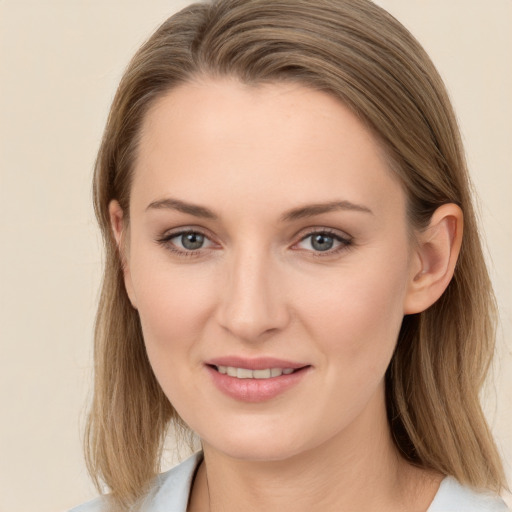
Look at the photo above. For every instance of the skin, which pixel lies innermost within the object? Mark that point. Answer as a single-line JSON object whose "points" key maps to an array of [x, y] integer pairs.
{"points": [[259, 287]]}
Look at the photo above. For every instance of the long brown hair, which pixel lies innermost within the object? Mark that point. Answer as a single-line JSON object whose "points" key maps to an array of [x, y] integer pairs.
{"points": [[364, 57]]}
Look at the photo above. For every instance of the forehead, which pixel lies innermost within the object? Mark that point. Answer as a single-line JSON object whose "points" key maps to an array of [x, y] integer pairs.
{"points": [[225, 141]]}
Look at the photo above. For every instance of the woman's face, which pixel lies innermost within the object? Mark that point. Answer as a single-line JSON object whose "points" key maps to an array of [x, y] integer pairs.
{"points": [[266, 234]]}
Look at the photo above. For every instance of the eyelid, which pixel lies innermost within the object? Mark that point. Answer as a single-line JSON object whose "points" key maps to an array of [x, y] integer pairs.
{"points": [[343, 238], [336, 233], [166, 237], [171, 233]]}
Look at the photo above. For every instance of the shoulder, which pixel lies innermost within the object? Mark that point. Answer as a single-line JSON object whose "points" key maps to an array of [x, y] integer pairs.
{"points": [[454, 497], [171, 490], [173, 487]]}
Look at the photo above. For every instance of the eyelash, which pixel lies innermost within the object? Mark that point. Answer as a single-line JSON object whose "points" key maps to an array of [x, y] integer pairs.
{"points": [[165, 241], [345, 242]]}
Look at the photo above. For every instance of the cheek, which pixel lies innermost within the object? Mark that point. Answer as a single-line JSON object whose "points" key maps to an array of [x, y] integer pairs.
{"points": [[357, 316], [355, 323], [173, 304]]}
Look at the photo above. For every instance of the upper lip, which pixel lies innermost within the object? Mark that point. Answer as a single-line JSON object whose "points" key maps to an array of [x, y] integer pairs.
{"points": [[257, 363]]}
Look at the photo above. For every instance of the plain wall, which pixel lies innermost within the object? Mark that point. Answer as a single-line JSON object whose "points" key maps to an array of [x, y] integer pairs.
{"points": [[60, 61]]}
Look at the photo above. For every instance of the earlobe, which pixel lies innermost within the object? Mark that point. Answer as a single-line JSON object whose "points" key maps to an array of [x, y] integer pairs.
{"points": [[435, 257], [118, 225]]}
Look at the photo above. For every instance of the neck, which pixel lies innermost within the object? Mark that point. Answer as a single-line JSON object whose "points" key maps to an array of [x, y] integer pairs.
{"points": [[358, 469]]}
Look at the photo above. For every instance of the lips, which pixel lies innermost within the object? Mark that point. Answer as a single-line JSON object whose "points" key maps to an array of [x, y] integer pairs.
{"points": [[246, 373], [255, 380], [260, 363]]}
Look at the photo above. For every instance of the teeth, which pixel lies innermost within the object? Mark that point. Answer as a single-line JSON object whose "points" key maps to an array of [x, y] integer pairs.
{"points": [[245, 373], [261, 374]]}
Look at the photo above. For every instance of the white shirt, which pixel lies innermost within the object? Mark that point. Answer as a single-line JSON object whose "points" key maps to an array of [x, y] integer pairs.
{"points": [[173, 488]]}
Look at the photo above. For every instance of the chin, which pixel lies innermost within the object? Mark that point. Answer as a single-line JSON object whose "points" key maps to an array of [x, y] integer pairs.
{"points": [[259, 453], [258, 445]]}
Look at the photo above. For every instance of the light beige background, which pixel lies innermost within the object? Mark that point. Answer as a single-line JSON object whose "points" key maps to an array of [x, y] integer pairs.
{"points": [[60, 61]]}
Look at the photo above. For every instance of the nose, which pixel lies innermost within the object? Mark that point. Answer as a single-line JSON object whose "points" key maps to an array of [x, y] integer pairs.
{"points": [[252, 305]]}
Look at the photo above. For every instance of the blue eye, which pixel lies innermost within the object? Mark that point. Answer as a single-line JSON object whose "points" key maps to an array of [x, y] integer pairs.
{"points": [[185, 243], [191, 241], [324, 241]]}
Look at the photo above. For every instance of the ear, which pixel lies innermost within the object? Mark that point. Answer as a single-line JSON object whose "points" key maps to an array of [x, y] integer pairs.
{"points": [[434, 258], [119, 228]]}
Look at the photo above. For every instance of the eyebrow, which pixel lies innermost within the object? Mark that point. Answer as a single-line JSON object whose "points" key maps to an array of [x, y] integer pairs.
{"points": [[317, 209], [182, 206], [295, 214]]}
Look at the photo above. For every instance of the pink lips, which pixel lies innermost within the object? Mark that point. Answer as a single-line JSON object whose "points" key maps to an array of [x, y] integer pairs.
{"points": [[255, 390], [260, 363]]}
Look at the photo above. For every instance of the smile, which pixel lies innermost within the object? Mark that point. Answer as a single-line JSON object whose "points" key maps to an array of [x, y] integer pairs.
{"points": [[259, 384], [246, 373]]}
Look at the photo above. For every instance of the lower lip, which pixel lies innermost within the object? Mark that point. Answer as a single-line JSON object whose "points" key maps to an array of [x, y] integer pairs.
{"points": [[255, 390]]}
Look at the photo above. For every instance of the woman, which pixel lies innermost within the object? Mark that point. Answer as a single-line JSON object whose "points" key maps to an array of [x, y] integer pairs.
{"points": [[283, 194]]}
